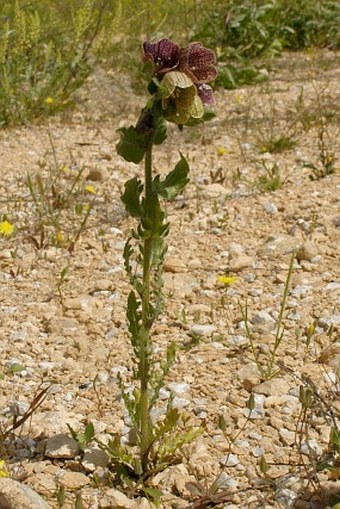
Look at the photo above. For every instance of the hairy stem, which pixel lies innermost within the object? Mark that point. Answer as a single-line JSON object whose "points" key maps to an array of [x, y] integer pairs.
{"points": [[144, 362]]}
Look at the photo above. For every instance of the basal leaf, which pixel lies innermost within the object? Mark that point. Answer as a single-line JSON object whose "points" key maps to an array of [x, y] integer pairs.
{"points": [[132, 145], [131, 197], [174, 182]]}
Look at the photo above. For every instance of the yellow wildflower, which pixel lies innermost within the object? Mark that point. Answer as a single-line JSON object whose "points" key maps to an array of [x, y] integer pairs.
{"points": [[59, 238], [6, 229], [49, 100], [227, 280], [3, 470], [221, 151], [90, 189]]}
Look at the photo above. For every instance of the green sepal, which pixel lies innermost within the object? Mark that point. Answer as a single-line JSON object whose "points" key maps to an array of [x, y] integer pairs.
{"points": [[174, 182], [132, 145], [131, 197], [208, 115]]}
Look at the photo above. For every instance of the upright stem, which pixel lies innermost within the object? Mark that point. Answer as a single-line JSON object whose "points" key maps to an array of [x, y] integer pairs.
{"points": [[144, 363]]}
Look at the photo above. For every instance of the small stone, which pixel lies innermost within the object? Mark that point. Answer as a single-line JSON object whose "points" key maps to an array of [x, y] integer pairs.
{"points": [[286, 498], [98, 174], [276, 386], [237, 341], [116, 499], [179, 402], [333, 286], [307, 251], [202, 330], [327, 321], [73, 480], [271, 208], [279, 245], [262, 317], [230, 461], [287, 437], [239, 263], [174, 265], [14, 495], [61, 446], [94, 458], [179, 389], [235, 249], [215, 191], [310, 447], [257, 452], [249, 376], [102, 285]]}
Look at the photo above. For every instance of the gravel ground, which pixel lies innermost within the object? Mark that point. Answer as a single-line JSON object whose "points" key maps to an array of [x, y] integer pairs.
{"points": [[63, 292]]}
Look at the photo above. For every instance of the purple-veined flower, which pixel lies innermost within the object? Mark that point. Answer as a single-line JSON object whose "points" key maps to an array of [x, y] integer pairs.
{"points": [[198, 63], [164, 54], [182, 74]]}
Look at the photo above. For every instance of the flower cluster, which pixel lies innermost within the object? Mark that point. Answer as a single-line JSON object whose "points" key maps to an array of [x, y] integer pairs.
{"points": [[182, 76]]}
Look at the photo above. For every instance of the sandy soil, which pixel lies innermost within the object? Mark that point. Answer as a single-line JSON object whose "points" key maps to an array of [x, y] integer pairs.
{"points": [[63, 289]]}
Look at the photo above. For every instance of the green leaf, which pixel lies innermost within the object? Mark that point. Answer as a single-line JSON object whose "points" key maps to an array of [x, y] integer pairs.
{"points": [[152, 220], [174, 182], [16, 368], [89, 432], [131, 197], [153, 493], [133, 315], [263, 465], [160, 130], [148, 70], [132, 145]]}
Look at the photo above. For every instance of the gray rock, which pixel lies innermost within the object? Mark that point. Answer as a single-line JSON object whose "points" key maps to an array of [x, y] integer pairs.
{"points": [[73, 480], [307, 251], [257, 452], [174, 265], [14, 495], [327, 321], [117, 500], [286, 498], [202, 330], [309, 447], [239, 263], [333, 286], [287, 437], [61, 446], [94, 458], [278, 245], [230, 461], [276, 386], [262, 317], [179, 389], [271, 208]]}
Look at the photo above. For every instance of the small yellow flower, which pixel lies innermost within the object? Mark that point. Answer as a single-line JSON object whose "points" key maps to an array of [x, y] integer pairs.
{"points": [[90, 189], [3, 470], [49, 100], [59, 237], [6, 229], [221, 151], [227, 280]]}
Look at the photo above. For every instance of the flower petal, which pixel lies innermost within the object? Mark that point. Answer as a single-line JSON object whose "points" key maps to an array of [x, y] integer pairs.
{"points": [[205, 93], [198, 63], [174, 79], [164, 53]]}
